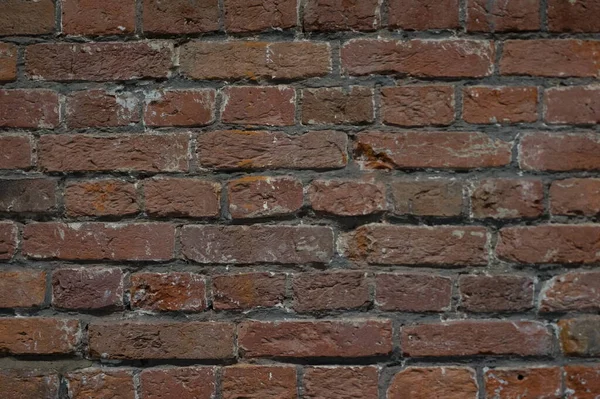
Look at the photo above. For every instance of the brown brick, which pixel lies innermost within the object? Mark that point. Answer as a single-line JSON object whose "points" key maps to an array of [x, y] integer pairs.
{"points": [[8, 240], [99, 61], [559, 152], [29, 108], [442, 246], [180, 16], [333, 15], [236, 149], [98, 383], [264, 196], [137, 152], [15, 151], [330, 291], [178, 382], [576, 105], [341, 382], [105, 197], [503, 15], [495, 293], [90, 288], [183, 197], [22, 288], [323, 338], [412, 292], [337, 106], [476, 337], [38, 336], [259, 15], [8, 62], [440, 150], [22, 17], [247, 291], [257, 244], [451, 58], [161, 340], [27, 195], [580, 16], [580, 337], [268, 382], [427, 197], [19, 384], [507, 198], [551, 58], [347, 197], [417, 105], [180, 108], [264, 105], [505, 104], [582, 381], [298, 60], [575, 291], [423, 14], [434, 382], [575, 197], [99, 241], [99, 108], [106, 17], [533, 382], [551, 243], [168, 292]]}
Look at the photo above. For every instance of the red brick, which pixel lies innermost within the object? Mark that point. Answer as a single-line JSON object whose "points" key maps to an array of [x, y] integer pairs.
{"points": [[579, 337], [504, 104], [550, 243], [297, 60], [442, 246], [417, 105], [137, 152], [264, 105], [576, 105], [28, 195], [341, 382], [24, 108], [99, 383], [268, 382], [22, 288], [503, 15], [434, 382], [323, 338], [423, 14], [247, 291], [38, 336], [99, 108], [575, 197], [259, 15], [347, 197], [90, 288], [99, 241], [8, 62], [22, 17], [476, 337], [180, 108], [264, 196], [559, 152], [551, 58], [413, 292], [8, 240], [19, 384], [533, 382], [15, 151], [106, 197], [178, 382], [168, 292], [183, 197], [580, 16], [507, 198], [333, 15], [99, 61], [441, 150], [93, 17], [257, 244], [330, 291], [250, 150], [575, 291], [337, 106], [582, 381], [495, 293], [161, 340], [180, 16], [451, 58], [427, 197]]}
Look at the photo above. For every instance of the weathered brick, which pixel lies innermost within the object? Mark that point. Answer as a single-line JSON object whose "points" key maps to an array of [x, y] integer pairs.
{"points": [[99, 108], [427, 197], [180, 108], [38, 336], [178, 382], [90, 288], [15, 151], [97, 383], [532, 382], [507, 198], [337, 106], [330, 291], [323, 338], [22, 288], [259, 15], [161, 340], [332, 15], [29, 108], [19, 384], [99, 241], [582, 381], [106, 17], [257, 244], [183, 197], [441, 246], [21, 17], [434, 382], [168, 291], [504, 104], [495, 293], [503, 15], [412, 292], [250, 381], [580, 337], [575, 291], [417, 105], [247, 291], [347, 197], [580, 16], [576, 105], [8, 62], [341, 382], [423, 14], [264, 196], [27, 195], [264, 105], [180, 16], [103, 197], [575, 197], [8, 240], [559, 152]]}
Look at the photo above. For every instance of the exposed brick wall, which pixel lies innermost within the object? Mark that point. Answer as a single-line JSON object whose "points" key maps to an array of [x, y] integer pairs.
{"points": [[317, 199]]}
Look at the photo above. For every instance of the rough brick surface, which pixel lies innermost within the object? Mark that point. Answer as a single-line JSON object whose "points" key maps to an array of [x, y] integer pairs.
{"points": [[573, 105], [417, 105], [422, 382], [97, 108], [182, 197], [248, 290], [28, 196], [320, 291], [247, 381], [575, 197], [332, 15], [21, 17], [571, 291], [559, 152], [502, 105], [579, 337], [340, 382], [102, 197], [91, 288], [503, 15], [84, 17], [15, 151], [38, 336], [423, 14], [259, 15], [412, 292], [25, 108], [347, 198], [8, 240], [263, 196], [496, 293], [336, 106], [538, 382], [22, 288], [180, 16], [270, 105], [17, 384], [180, 108], [427, 197], [178, 382], [98, 383], [577, 17], [507, 198], [8, 62], [168, 292], [582, 381]]}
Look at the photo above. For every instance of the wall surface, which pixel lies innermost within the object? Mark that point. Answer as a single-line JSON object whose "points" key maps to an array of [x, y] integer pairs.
{"points": [[272, 199]]}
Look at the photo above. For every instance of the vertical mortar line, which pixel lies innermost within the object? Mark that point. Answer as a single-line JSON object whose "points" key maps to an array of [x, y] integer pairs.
{"points": [[58, 17], [218, 382], [288, 296], [49, 293], [544, 15], [300, 4], [297, 106], [222, 15], [377, 117], [541, 108], [139, 18], [462, 15], [336, 59], [381, 14], [225, 215], [455, 294], [137, 383], [479, 378], [458, 101], [300, 381]]}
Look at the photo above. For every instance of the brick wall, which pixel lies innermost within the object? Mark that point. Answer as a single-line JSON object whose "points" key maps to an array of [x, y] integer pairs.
{"points": [[333, 199]]}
